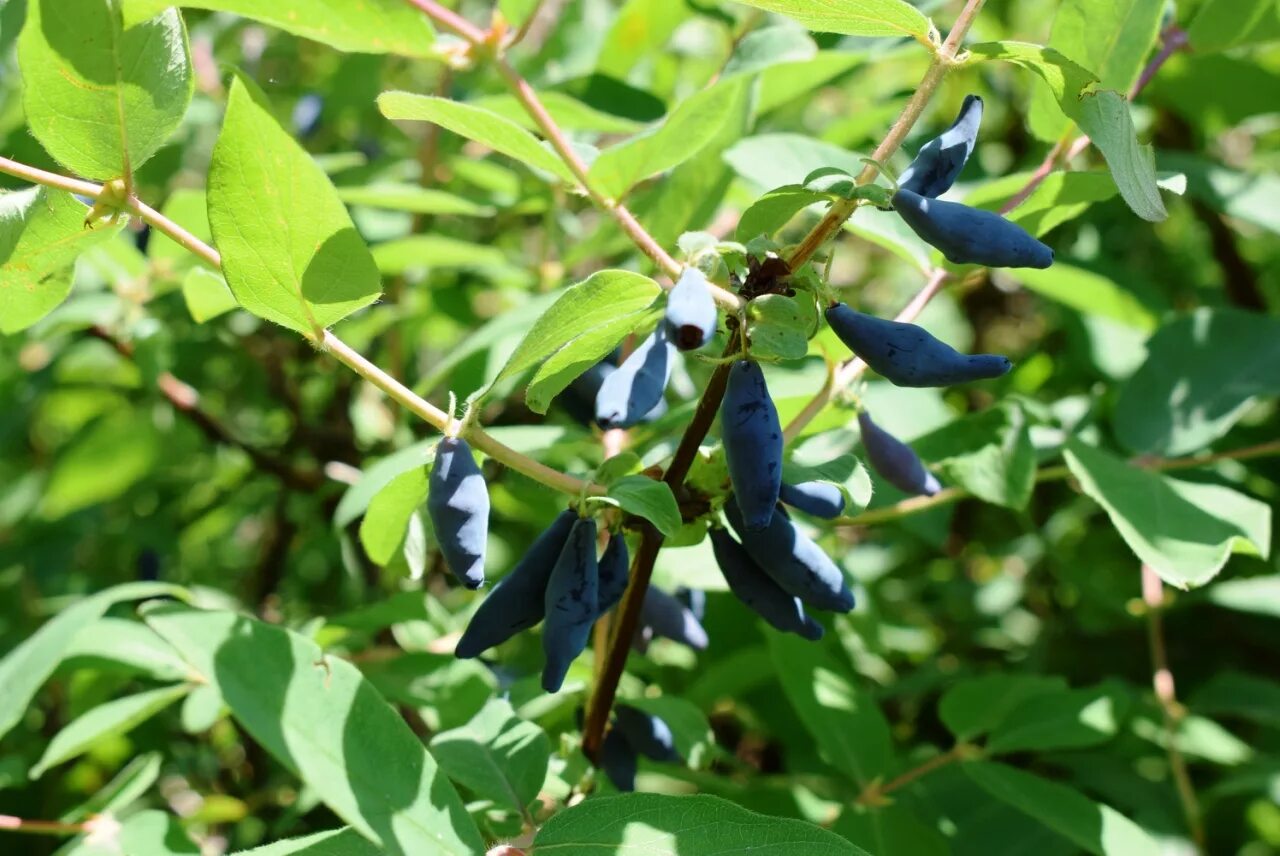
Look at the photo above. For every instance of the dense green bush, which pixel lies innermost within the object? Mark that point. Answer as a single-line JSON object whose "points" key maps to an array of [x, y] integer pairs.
{"points": [[258, 256]]}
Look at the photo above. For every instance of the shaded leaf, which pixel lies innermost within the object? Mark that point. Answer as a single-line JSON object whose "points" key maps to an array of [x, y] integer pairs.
{"points": [[497, 756], [320, 718], [115, 717], [1184, 530]]}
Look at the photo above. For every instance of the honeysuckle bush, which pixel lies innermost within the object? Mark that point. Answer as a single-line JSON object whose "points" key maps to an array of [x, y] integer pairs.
{"points": [[258, 258]]}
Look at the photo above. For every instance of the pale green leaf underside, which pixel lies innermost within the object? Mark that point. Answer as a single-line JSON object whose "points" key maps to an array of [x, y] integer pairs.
{"points": [[359, 26], [497, 755], [478, 124], [386, 521], [1185, 531], [101, 99], [319, 717], [852, 17], [41, 234], [1103, 114], [290, 252]]}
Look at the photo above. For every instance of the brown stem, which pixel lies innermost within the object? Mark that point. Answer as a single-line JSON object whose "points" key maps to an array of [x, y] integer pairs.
{"points": [[874, 793], [627, 616], [1172, 712]]}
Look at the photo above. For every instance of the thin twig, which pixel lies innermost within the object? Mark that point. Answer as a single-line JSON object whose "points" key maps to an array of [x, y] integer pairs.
{"points": [[1172, 711], [944, 59], [874, 793], [559, 141], [406, 397]]}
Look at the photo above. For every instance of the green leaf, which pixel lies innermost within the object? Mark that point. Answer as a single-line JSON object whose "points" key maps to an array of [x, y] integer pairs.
{"points": [[1247, 196], [772, 211], [432, 252], [989, 454], [776, 160], [686, 825], [1061, 720], [24, 669], [101, 98], [475, 123], [780, 327], [446, 691], [370, 26], [973, 707], [127, 643], [1130, 28], [412, 198], [1223, 24], [321, 719], [679, 137], [570, 113], [585, 323], [206, 294], [497, 756], [385, 523], [767, 47], [378, 475], [891, 828], [111, 456], [1060, 197], [853, 17], [851, 732], [1203, 371], [1103, 114], [126, 786], [42, 233], [1231, 693], [335, 842], [1184, 530], [1089, 293], [289, 249], [1259, 595], [1092, 826], [650, 499], [118, 716]]}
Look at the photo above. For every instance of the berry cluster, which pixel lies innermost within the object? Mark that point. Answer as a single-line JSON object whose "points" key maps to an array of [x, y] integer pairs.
{"points": [[768, 562]]}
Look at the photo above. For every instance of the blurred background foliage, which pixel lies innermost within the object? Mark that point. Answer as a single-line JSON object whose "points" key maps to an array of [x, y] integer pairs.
{"points": [[106, 477]]}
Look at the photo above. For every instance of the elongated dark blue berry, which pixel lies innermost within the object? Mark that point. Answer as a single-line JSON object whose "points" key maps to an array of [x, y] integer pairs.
{"points": [[894, 460], [968, 235], [618, 760], [517, 601], [572, 603], [613, 572], [691, 311], [940, 160], [458, 502], [793, 561], [909, 355], [646, 733], [757, 590], [579, 397], [628, 394], [694, 600], [819, 498], [663, 615], [752, 443]]}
